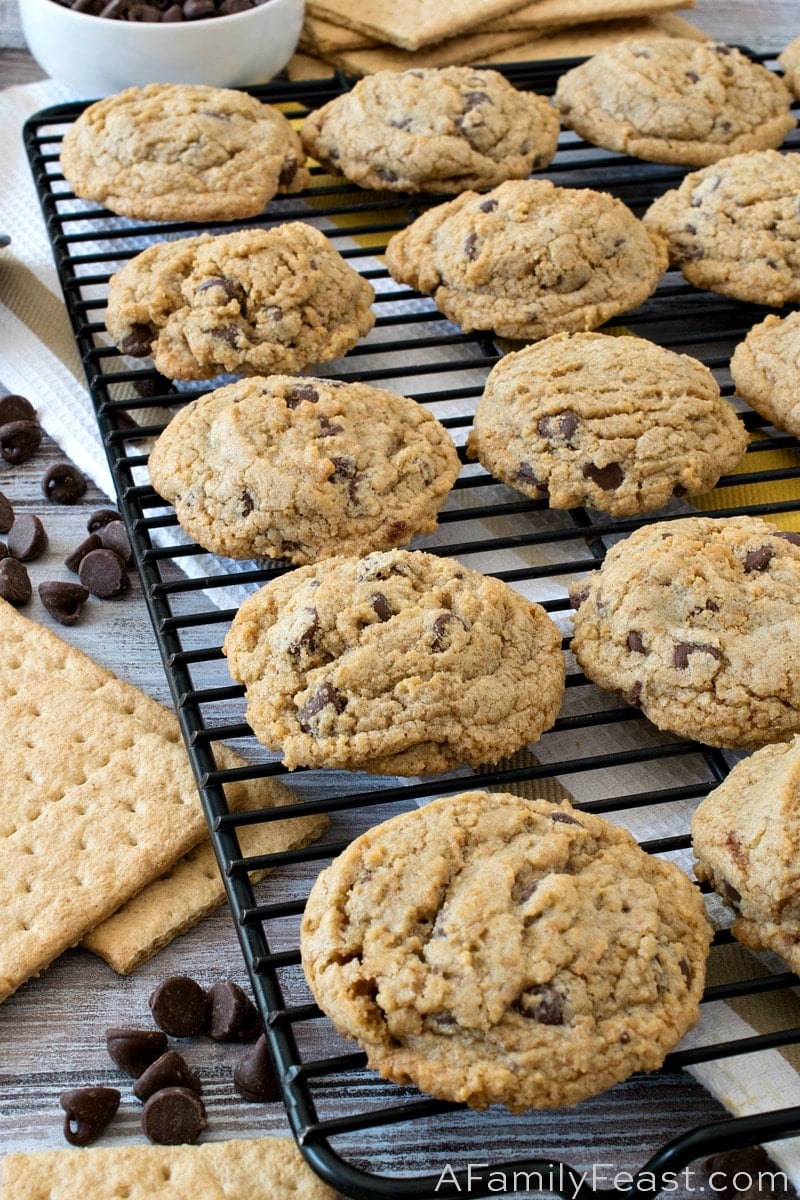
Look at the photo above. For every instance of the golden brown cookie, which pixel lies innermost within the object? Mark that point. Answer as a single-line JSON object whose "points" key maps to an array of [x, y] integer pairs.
{"points": [[618, 423], [789, 59], [253, 302], [401, 663], [697, 622], [493, 949], [529, 259], [182, 152], [303, 468], [766, 370]]}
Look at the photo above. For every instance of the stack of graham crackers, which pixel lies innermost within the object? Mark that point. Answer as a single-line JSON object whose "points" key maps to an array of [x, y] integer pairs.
{"points": [[363, 36]]}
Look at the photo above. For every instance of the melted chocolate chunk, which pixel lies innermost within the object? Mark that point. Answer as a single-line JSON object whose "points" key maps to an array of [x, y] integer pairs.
{"points": [[543, 1004], [633, 697], [381, 606], [794, 538], [288, 172], [230, 288], [635, 643], [440, 628], [562, 818], [300, 392], [607, 478], [324, 695], [488, 205], [138, 342], [474, 100], [563, 426], [226, 333], [758, 560], [680, 655], [469, 246], [247, 504], [308, 638], [525, 474]]}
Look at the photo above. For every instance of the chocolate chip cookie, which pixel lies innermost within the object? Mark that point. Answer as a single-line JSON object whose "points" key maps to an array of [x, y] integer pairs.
{"points": [[734, 227], [766, 370], [253, 302], [697, 622], [675, 101], [303, 468], [400, 663], [529, 259], [182, 152], [492, 949], [745, 837], [618, 423], [789, 59], [436, 130]]}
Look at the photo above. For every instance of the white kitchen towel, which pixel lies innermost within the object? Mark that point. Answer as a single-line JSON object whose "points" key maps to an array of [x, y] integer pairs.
{"points": [[38, 358]]}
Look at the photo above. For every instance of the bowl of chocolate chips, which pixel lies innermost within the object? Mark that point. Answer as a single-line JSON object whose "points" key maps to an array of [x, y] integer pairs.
{"points": [[98, 47]]}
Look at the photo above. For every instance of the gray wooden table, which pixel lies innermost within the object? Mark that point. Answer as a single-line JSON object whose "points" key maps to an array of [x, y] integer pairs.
{"points": [[52, 1030]]}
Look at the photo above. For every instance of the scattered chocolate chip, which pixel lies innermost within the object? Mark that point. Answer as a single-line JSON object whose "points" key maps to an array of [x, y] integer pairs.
{"points": [[63, 483], [322, 697], [88, 1111], [154, 384], [174, 1116], [74, 560], [440, 628], [329, 428], [524, 886], [103, 573], [133, 1050], [19, 440], [686, 971], [794, 538], [758, 560], [289, 168], [680, 655], [64, 601], [692, 76], [27, 538], [343, 468], [6, 514], [730, 893], [113, 536], [469, 246], [101, 517], [607, 478], [230, 288], [679, 491], [254, 1076], [474, 100], [381, 606], [16, 408], [526, 474], [635, 643], [226, 333], [178, 1006], [170, 1070], [300, 392], [562, 426], [15, 584], [442, 1022], [488, 205], [544, 1004], [578, 595], [246, 503], [138, 343], [633, 697], [563, 818], [386, 176], [231, 1015]]}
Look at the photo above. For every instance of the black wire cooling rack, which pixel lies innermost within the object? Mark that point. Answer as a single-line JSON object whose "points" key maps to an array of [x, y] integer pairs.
{"points": [[608, 757]]}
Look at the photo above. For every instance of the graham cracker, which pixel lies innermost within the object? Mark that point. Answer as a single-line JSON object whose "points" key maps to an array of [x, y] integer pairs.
{"points": [[471, 48], [414, 23], [323, 37], [307, 66], [235, 1170], [582, 41], [564, 13]]}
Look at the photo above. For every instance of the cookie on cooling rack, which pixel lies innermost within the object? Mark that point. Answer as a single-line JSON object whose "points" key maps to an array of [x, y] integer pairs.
{"points": [[303, 468], [253, 302], [734, 227], [675, 101], [745, 839], [697, 622], [618, 423], [764, 368], [529, 259], [442, 129], [492, 949], [182, 152], [789, 59], [401, 663]]}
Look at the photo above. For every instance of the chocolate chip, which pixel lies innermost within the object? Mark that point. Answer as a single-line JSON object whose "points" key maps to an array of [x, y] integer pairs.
{"points": [[442, 1022], [63, 483], [15, 584], [685, 970], [231, 1015], [27, 538], [178, 1006], [174, 1116], [101, 517], [254, 1076], [488, 205], [193, 10], [137, 343], [525, 474], [344, 468], [16, 408], [289, 168], [113, 536], [525, 885], [680, 655], [153, 385], [758, 560], [469, 246], [635, 643], [74, 560], [300, 392], [322, 697], [386, 176], [562, 426], [543, 1004], [64, 601], [226, 333], [794, 538], [103, 573], [401, 123], [328, 428], [731, 894], [440, 629], [633, 696], [230, 288], [578, 595], [6, 514], [692, 76], [474, 100], [88, 1112], [133, 1050], [607, 478], [679, 491], [563, 818], [19, 440], [170, 1070], [381, 606]]}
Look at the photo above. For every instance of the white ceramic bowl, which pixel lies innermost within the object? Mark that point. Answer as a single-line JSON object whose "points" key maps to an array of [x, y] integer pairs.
{"points": [[96, 56]]}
